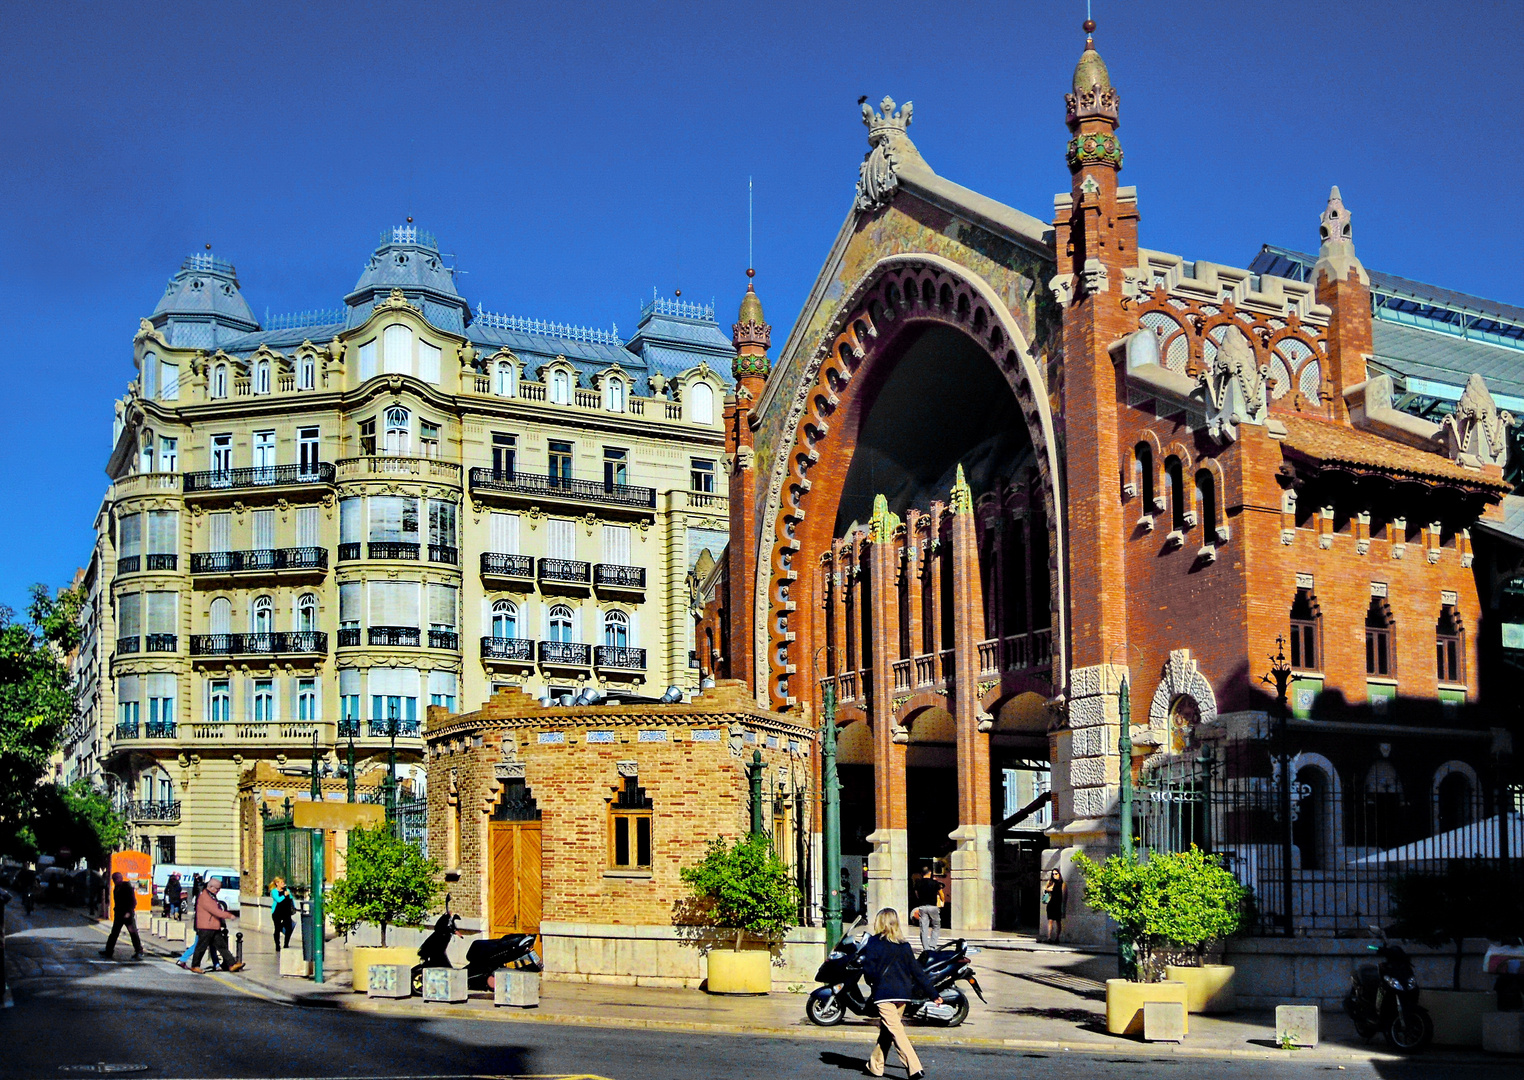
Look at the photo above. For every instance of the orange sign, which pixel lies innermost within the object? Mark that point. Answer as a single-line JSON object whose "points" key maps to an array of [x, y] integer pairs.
{"points": [[136, 867]]}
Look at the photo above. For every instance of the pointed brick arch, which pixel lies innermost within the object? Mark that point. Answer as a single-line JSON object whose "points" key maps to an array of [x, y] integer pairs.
{"points": [[898, 293]]}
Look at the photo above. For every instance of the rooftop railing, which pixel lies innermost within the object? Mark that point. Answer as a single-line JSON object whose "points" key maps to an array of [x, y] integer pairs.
{"points": [[548, 329]]}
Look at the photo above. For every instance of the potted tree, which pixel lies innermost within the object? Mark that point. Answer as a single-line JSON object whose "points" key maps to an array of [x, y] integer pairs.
{"points": [[742, 906], [1168, 906], [387, 881]]}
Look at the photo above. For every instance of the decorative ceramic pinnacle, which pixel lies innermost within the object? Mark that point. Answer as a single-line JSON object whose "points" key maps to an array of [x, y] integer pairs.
{"points": [[962, 494], [1336, 256], [1093, 97], [751, 329], [883, 524]]}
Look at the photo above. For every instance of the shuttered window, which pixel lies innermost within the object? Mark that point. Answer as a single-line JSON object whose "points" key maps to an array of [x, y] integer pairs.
{"points": [[219, 532], [129, 617], [351, 520], [397, 349], [616, 545], [163, 532], [562, 538], [428, 362], [160, 608], [393, 603], [349, 606], [393, 519], [442, 523], [442, 606], [368, 359], [264, 530], [129, 531], [505, 533], [307, 526]]}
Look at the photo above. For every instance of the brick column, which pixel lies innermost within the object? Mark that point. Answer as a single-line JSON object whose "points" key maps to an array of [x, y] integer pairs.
{"points": [[973, 863], [889, 864]]}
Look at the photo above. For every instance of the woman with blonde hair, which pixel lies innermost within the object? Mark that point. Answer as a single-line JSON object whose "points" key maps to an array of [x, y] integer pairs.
{"points": [[889, 964], [282, 911]]}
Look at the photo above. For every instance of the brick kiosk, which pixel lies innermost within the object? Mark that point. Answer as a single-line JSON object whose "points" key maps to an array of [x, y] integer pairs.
{"points": [[574, 822]]}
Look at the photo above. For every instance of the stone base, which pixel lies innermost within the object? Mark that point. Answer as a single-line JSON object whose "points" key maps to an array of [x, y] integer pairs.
{"points": [[519, 989], [445, 984], [1209, 988], [292, 964], [1458, 1014], [1503, 1033], [659, 956], [1163, 1021], [389, 981], [174, 930], [973, 879], [888, 871], [1296, 1025]]}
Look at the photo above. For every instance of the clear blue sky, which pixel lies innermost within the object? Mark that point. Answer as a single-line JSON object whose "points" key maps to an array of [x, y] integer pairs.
{"points": [[572, 156]]}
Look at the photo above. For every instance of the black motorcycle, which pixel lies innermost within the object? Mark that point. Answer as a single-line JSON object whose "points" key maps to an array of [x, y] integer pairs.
{"points": [[483, 958], [1384, 997], [843, 988]]}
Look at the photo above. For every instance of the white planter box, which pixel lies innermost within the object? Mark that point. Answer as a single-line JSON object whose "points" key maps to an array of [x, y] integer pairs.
{"points": [[520, 989], [445, 984], [390, 981]]}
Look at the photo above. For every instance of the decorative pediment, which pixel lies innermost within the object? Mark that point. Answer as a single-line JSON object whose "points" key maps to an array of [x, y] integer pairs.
{"points": [[1180, 678]]}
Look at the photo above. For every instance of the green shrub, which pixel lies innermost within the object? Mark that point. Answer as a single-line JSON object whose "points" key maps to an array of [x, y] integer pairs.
{"points": [[742, 887], [1168, 903], [386, 880]]}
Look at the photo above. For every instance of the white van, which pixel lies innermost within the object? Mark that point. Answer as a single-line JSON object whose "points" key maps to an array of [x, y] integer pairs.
{"points": [[228, 894]]}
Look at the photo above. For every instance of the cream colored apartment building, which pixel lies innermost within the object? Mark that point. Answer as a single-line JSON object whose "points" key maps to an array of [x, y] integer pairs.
{"points": [[318, 527]]}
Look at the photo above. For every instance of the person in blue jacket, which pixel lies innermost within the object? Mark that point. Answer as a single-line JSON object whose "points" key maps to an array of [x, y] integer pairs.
{"points": [[889, 964]]}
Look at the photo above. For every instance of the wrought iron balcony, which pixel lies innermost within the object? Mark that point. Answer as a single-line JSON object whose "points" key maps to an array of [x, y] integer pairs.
{"points": [[406, 636], [126, 729], [403, 729], [154, 810], [264, 559], [443, 639], [564, 487], [392, 549], [129, 644], [349, 728], [279, 643], [350, 550], [520, 650], [349, 637], [128, 564], [619, 656], [259, 476], [569, 571], [161, 562], [159, 729], [611, 576], [443, 553], [160, 643], [566, 653], [495, 564]]}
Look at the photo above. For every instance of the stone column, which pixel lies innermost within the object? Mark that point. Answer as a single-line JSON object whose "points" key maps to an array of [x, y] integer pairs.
{"points": [[889, 865], [1086, 781]]}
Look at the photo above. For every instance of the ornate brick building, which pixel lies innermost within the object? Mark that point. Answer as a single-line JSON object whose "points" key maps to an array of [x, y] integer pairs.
{"points": [[1003, 466]]}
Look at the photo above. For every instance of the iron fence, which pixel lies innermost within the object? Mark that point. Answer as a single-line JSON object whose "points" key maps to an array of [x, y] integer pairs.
{"points": [[287, 851]]}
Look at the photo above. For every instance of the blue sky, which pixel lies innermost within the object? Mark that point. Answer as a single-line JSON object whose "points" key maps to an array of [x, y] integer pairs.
{"points": [[572, 156]]}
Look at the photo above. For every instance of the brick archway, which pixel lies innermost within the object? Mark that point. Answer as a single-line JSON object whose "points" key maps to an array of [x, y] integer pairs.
{"points": [[899, 293]]}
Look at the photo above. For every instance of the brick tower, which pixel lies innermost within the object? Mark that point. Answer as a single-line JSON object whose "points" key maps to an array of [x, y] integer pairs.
{"points": [[751, 335]]}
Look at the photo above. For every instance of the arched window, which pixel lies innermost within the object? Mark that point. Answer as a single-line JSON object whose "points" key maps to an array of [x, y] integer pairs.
{"points": [[613, 394], [221, 620], [397, 349], [1309, 816], [616, 629], [1305, 622], [1379, 657], [398, 431], [1383, 822], [150, 375], [1455, 802], [262, 615], [145, 453], [701, 403], [1174, 477], [306, 612], [1143, 474], [507, 379], [1449, 651], [505, 619], [560, 623], [262, 377], [220, 381], [306, 372], [560, 387], [1206, 502]]}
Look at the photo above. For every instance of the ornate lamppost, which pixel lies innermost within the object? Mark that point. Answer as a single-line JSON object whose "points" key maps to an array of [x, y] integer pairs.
{"points": [[1279, 676]]}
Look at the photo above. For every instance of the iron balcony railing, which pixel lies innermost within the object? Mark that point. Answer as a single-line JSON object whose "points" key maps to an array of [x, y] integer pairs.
{"points": [[391, 549], [443, 639], [154, 810], [279, 643], [443, 553], [349, 637], [257, 476], [407, 636], [520, 566], [160, 643], [569, 570], [619, 656], [161, 562], [566, 653], [609, 575], [349, 550], [159, 729], [129, 564], [126, 729], [349, 729], [128, 644], [384, 729], [508, 648], [233, 562], [518, 483]]}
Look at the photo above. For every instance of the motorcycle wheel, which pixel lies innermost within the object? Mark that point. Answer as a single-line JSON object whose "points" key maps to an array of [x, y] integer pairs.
{"points": [[961, 1013], [824, 1011], [1410, 1030]]}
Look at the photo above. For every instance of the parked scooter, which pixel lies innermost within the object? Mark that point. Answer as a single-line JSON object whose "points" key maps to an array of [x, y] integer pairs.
{"points": [[844, 991], [483, 958], [1384, 997]]}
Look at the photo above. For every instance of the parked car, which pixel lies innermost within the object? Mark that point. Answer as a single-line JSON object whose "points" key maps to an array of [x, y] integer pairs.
{"points": [[188, 871]]}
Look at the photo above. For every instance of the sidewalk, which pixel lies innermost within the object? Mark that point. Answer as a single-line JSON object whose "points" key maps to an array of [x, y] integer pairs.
{"points": [[1040, 998]]}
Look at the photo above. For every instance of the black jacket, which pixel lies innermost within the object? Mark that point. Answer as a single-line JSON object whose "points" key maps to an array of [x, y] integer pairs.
{"points": [[893, 973], [125, 899]]}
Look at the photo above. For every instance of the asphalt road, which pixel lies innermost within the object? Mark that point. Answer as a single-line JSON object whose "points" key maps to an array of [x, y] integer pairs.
{"points": [[74, 1009]]}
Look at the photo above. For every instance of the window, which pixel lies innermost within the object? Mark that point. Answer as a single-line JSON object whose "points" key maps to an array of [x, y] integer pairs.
{"points": [[367, 360], [307, 527], [1449, 656], [169, 381], [1378, 639], [263, 522], [397, 349], [613, 394], [701, 403], [701, 476], [262, 615], [1143, 474], [161, 704], [504, 450], [393, 701], [393, 519], [219, 531], [394, 603], [163, 536], [505, 619], [129, 539], [507, 379], [351, 520], [442, 689], [306, 613], [129, 615], [442, 528], [630, 828], [128, 692], [169, 457], [442, 607], [264, 449], [616, 629], [560, 461], [428, 438], [1206, 501], [616, 466], [398, 431], [306, 372], [220, 619], [349, 702], [264, 701], [159, 613], [503, 532], [222, 453], [262, 377], [616, 545], [145, 452], [560, 387], [560, 623], [561, 538], [307, 442], [307, 701], [220, 381], [150, 375], [1174, 477], [219, 701], [349, 606], [428, 362], [1304, 631], [368, 437]]}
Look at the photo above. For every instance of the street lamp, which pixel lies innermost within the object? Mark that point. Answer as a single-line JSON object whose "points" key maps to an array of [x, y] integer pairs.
{"points": [[1279, 676], [349, 780], [830, 824], [1127, 954]]}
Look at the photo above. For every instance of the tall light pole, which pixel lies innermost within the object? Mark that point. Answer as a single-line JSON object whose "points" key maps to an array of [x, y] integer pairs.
{"points": [[830, 826], [1127, 954], [1279, 676]]}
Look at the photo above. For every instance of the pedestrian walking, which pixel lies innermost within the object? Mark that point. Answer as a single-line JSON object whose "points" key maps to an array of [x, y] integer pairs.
{"points": [[211, 919], [282, 910], [896, 978], [125, 897], [928, 911], [1053, 904], [172, 895]]}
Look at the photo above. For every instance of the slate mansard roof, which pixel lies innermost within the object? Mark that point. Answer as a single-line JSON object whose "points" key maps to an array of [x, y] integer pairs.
{"points": [[203, 308]]}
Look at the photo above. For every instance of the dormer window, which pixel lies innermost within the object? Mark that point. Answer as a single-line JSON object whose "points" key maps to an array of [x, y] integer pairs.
{"points": [[507, 379], [701, 403], [306, 372], [262, 377], [560, 387], [613, 394], [397, 349]]}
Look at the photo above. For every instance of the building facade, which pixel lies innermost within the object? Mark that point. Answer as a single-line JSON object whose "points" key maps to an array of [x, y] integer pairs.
{"points": [[320, 526]]}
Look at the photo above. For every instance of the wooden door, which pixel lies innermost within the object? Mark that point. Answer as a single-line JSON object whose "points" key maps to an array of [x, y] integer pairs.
{"points": [[514, 883]]}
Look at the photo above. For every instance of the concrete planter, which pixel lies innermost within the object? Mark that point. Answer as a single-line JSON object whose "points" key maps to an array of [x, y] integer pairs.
{"points": [[740, 971], [1209, 988], [1125, 1000], [363, 956], [1457, 1014]]}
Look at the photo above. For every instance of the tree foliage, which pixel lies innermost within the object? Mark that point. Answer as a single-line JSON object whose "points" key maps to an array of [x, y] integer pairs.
{"points": [[743, 887], [36, 705], [1169, 902], [76, 817], [1466, 899], [387, 880]]}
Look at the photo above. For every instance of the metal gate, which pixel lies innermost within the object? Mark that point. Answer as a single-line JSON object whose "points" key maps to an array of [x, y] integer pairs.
{"points": [[287, 851]]}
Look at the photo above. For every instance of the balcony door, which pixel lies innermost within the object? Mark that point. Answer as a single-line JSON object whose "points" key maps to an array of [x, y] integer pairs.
{"points": [[263, 450], [307, 450], [222, 458]]}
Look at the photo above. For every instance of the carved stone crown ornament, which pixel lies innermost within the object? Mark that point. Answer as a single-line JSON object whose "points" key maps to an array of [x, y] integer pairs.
{"points": [[1477, 432], [1235, 387], [877, 180]]}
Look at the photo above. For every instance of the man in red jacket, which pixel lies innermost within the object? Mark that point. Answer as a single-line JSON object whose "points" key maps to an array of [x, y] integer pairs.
{"points": [[211, 916]]}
